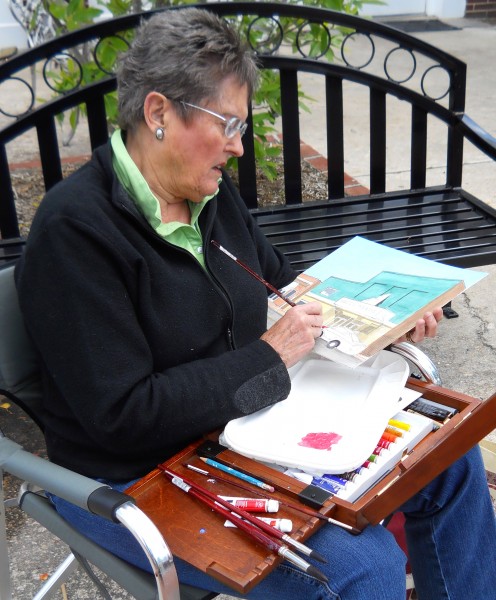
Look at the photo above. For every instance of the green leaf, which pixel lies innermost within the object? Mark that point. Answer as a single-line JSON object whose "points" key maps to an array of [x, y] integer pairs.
{"points": [[57, 11], [73, 118]]}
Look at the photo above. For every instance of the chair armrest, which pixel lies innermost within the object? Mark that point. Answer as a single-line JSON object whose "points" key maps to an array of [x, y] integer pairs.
{"points": [[48, 476], [97, 498], [419, 359]]}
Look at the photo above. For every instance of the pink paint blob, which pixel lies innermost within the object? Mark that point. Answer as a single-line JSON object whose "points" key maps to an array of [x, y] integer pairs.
{"points": [[320, 441]]}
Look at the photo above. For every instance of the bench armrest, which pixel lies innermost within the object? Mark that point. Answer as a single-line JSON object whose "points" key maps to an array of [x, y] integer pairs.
{"points": [[481, 138]]}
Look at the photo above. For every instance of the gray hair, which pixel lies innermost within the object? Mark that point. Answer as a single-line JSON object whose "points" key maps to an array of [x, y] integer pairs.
{"points": [[184, 54]]}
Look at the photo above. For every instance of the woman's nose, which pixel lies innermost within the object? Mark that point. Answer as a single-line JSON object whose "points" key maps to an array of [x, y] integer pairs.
{"points": [[235, 145]]}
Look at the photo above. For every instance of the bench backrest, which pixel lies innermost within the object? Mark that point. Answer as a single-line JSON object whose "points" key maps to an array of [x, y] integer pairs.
{"points": [[385, 62]]}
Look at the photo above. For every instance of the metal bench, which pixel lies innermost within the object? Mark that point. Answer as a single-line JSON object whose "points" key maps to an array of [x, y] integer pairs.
{"points": [[441, 221]]}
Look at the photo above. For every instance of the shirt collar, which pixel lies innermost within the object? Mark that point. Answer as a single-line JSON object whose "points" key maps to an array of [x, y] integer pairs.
{"points": [[137, 187]]}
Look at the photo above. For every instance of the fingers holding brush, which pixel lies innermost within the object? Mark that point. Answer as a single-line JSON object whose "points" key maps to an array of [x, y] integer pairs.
{"points": [[293, 336]]}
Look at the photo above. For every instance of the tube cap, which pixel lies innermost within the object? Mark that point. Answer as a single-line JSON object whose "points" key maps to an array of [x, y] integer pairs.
{"points": [[285, 525]]}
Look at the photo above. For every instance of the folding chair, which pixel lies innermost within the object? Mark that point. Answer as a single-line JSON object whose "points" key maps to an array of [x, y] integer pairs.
{"points": [[19, 382]]}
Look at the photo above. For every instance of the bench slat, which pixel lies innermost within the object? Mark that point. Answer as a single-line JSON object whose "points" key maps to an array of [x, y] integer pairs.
{"points": [[49, 151], [377, 141], [97, 121], [9, 227], [442, 226], [335, 136], [247, 173], [291, 136], [418, 148]]}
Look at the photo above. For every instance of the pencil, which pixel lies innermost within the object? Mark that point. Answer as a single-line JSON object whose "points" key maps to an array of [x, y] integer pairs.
{"points": [[250, 525], [253, 273]]}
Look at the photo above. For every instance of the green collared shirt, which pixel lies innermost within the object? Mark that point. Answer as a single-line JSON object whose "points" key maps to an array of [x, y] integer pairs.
{"points": [[186, 236]]}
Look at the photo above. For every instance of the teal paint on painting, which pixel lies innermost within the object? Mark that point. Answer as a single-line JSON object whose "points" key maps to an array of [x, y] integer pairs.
{"points": [[405, 293]]}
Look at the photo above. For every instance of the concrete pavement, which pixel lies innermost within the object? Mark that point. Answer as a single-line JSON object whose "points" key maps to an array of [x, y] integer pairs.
{"points": [[465, 350]]}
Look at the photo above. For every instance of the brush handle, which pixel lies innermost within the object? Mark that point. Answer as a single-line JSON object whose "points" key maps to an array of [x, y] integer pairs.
{"points": [[229, 507], [214, 504], [255, 530], [253, 273]]}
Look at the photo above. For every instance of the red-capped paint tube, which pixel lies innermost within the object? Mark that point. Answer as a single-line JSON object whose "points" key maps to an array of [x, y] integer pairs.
{"points": [[284, 525], [253, 504], [384, 443]]}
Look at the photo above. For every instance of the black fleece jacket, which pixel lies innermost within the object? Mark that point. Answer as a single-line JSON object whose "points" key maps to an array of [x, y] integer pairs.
{"points": [[142, 350]]}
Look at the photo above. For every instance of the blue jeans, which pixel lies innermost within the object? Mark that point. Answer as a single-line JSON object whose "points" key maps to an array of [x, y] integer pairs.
{"points": [[451, 537]]}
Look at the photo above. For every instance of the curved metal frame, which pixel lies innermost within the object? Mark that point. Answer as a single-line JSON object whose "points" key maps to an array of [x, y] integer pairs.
{"points": [[419, 359], [300, 43], [60, 58], [155, 548], [412, 72], [277, 42], [423, 83], [349, 37], [41, 474]]}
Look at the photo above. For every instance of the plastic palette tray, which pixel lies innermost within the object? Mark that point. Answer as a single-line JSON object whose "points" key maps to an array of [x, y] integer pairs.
{"points": [[331, 420], [370, 473]]}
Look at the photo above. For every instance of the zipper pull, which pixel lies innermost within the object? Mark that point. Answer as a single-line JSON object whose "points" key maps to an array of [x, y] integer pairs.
{"points": [[230, 337]]}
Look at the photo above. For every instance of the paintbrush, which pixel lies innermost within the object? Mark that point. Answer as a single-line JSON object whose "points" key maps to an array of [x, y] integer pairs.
{"points": [[261, 531], [302, 509], [253, 273]]}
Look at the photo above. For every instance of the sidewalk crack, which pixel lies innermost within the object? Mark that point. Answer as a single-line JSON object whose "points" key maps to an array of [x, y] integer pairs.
{"points": [[484, 326]]}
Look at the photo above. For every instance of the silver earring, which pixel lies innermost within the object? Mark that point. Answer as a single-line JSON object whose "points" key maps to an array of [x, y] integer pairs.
{"points": [[159, 134]]}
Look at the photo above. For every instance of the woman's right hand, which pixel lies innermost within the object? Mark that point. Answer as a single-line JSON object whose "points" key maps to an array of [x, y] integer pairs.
{"points": [[294, 335]]}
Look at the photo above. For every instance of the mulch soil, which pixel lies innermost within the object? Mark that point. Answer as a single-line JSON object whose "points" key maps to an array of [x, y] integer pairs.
{"points": [[29, 188]]}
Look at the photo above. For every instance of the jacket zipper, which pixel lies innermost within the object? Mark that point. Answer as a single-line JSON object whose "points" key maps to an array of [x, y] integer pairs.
{"points": [[222, 291]]}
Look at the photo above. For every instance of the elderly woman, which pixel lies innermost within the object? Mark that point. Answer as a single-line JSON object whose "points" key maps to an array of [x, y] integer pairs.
{"points": [[149, 337]]}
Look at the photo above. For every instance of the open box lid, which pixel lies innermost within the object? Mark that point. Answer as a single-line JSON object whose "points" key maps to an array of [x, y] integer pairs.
{"points": [[332, 419]]}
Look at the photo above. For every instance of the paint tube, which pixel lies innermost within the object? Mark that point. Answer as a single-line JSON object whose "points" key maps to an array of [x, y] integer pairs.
{"points": [[253, 504]]}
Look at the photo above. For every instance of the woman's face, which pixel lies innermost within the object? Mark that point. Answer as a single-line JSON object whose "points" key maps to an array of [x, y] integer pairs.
{"points": [[196, 151]]}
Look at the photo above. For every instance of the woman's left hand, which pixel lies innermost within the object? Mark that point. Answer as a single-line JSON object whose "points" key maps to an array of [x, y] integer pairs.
{"points": [[426, 327]]}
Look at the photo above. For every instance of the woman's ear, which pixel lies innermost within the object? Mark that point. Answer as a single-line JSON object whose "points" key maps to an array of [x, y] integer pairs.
{"points": [[155, 111]]}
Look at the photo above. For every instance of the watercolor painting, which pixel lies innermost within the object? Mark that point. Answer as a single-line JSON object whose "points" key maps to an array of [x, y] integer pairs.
{"points": [[370, 295]]}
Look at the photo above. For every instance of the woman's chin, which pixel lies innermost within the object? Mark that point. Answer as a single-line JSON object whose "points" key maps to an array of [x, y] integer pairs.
{"points": [[209, 191]]}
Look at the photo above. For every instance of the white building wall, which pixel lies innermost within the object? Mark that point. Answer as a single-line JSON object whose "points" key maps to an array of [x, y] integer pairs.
{"points": [[11, 33], [394, 8], [447, 9]]}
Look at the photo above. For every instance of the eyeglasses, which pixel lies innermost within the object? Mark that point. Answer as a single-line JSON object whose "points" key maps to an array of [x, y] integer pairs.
{"points": [[233, 125]]}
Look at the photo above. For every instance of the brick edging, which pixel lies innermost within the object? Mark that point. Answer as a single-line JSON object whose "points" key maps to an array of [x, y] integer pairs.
{"points": [[36, 164], [352, 187], [308, 154]]}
